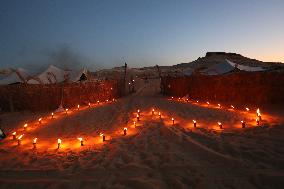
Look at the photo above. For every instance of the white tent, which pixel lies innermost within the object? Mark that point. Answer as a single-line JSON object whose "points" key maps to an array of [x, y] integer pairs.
{"points": [[51, 75], [219, 69], [19, 75], [246, 68], [75, 76]]}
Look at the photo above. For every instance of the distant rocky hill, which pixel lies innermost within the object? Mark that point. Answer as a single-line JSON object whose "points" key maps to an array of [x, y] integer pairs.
{"points": [[212, 58]]}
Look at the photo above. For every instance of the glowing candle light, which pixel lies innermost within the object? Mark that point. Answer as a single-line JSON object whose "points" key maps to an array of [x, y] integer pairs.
{"points": [[138, 111], [39, 120], [113, 99], [179, 99], [197, 101], [25, 126], [14, 135], [219, 105], [173, 120], [220, 125], [243, 124], [129, 83], [172, 98], [194, 123], [81, 141], [66, 110], [89, 104], [98, 102], [133, 80], [124, 130], [232, 107], [137, 117], [160, 116], [107, 100], [247, 109], [153, 111], [134, 124], [257, 122], [258, 114], [34, 142], [207, 103], [78, 107], [52, 115], [102, 135], [58, 143], [187, 100], [20, 139]]}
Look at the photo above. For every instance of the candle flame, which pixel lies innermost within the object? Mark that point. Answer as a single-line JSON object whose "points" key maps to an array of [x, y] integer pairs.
{"points": [[159, 113], [197, 101], [219, 123], [219, 105], [35, 139], [59, 141], [14, 133], [247, 109], [242, 121], [125, 128], [80, 139], [52, 113], [39, 119], [232, 106], [208, 103], [194, 121], [101, 134], [173, 118], [20, 137], [258, 112], [25, 125], [137, 115], [66, 109]]}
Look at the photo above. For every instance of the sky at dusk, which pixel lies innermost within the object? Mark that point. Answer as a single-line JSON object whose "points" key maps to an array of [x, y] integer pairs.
{"points": [[103, 33]]}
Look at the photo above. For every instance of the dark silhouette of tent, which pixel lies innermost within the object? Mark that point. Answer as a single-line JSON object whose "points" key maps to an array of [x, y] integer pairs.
{"points": [[2, 134]]}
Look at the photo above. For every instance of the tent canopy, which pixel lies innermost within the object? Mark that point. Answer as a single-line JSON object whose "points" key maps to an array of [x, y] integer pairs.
{"points": [[245, 68], [19, 75], [219, 69]]}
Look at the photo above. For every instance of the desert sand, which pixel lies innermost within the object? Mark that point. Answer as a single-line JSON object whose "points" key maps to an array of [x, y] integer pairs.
{"points": [[154, 154]]}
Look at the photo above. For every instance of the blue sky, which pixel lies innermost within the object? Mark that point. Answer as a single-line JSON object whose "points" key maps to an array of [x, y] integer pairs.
{"points": [[104, 33]]}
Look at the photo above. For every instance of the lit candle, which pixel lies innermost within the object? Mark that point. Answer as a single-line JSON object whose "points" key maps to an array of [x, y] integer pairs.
{"points": [[220, 125], [258, 114], [207, 103], [232, 107], [194, 123], [34, 142], [102, 135], [78, 107], [66, 110], [137, 117], [219, 105], [173, 120], [179, 99], [107, 100], [243, 124], [172, 98], [187, 100], [138, 111], [25, 126], [52, 114], [247, 109], [134, 124], [20, 139], [58, 143], [197, 101], [153, 111], [39, 120], [160, 116], [81, 141], [89, 104], [124, 130], [14, 135], [98, 102], [113, 99], [257, 122]]}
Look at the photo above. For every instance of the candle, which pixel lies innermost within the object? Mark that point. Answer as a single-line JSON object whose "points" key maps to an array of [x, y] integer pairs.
{"points": [[258, 114], [160, 116], [178, 98], [124, 130], [98, 102], [52, 115], [25, 126], [81, 141], [102, 135], [34, 142], [197, 101], [134, 124], [138, 111], [14, 135], [247, 109], [66, 110], [243, 124], [78, 107], [19, 139], [89, 104], [219, 105], [172, 98], [207, 103], [39, 120], [113, 99], [187, 100], [58, 143], [194, 123], [173, 120], [220, 125], [153, 111], [232, 107], [257, 122], [137, 116], [107, 100]]}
